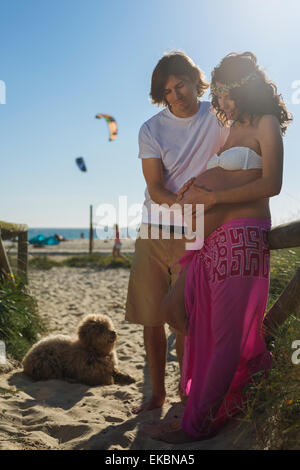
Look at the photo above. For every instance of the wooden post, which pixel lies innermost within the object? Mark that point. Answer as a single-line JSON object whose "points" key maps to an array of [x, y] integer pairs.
{"points": [[23, 254], [91, 230], [8, 231], [285, 236], [4, 263], [288, 303]]}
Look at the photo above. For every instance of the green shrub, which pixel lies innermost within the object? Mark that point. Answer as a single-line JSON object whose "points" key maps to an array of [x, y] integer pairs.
{"points": [[82, 261], [20, 324], [42, 262], [274, 401]]}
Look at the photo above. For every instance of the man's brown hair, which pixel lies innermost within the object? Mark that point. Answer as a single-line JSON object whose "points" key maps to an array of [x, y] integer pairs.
{"points": [[179, 64]]}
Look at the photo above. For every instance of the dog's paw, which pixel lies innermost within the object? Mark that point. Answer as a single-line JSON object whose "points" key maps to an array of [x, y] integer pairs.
{"points": [[123, 379]]}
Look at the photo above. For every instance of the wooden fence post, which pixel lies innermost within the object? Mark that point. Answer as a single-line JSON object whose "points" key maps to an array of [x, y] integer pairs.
{"points": [[4, 263], [285, 236], [91, 231], [288, 303], [23, 254], [8, 231]]}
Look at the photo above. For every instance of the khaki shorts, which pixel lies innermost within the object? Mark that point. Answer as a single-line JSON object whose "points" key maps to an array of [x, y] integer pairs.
{"points": [[152, 274]]}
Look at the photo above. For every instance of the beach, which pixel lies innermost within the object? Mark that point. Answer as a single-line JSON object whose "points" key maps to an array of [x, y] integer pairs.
{"points": [[57, 414], [72, 248]]}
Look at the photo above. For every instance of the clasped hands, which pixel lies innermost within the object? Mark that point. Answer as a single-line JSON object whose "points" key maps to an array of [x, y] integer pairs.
{"points": [[191, 193]]}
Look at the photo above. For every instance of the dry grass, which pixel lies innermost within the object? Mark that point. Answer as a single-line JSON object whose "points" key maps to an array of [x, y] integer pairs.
{"points": [[274, 405]]}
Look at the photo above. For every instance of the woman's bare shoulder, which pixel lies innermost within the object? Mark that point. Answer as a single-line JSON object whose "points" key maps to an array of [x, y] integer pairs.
{"points": [[267, 122]]}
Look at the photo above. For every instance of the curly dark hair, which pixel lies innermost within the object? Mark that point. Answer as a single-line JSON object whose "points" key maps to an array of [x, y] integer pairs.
{"points": [[179, 64], [258, 96]]}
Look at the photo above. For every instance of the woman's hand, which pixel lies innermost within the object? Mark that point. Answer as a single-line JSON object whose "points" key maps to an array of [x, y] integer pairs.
{"points": [[199, 195], [184, 188]]}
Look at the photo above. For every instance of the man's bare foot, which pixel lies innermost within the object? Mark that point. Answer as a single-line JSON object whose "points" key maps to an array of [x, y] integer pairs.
{"points": [[154, 402]]}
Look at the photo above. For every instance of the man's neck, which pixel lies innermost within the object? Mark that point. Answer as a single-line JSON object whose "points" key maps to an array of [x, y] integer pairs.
{"points": [[189, 112]]}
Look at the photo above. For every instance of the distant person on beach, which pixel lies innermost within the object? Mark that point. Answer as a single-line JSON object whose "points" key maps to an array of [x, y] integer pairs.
{"points": [[174, 146], [220, 297], [60, 238], [117, 244], [82, 235]]}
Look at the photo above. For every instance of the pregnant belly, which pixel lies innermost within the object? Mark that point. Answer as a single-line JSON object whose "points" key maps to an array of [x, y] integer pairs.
{"points": [[217, 179]]}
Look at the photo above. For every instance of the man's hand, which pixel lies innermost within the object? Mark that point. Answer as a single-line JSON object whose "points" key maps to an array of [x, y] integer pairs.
{"points": [[199, 195]]}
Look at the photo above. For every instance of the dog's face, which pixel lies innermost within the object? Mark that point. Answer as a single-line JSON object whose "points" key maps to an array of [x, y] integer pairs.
{"points": [[97, 332]]}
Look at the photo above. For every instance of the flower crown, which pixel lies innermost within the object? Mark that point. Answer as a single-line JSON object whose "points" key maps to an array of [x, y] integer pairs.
{"points": [[226, 87]]}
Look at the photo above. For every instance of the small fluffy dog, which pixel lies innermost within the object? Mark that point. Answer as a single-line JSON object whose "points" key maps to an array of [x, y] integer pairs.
{"points": [[89, 359]]}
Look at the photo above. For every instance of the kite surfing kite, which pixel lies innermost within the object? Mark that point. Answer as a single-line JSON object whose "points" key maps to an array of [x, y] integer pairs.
{"points": [[112, 125], [40, 240], [80, 163]]}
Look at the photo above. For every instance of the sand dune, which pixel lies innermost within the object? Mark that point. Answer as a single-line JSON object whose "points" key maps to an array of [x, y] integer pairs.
{"points": [[56, 414]]}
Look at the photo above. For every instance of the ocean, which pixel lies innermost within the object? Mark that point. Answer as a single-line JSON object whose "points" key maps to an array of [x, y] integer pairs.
{"points": [[75, 233]]}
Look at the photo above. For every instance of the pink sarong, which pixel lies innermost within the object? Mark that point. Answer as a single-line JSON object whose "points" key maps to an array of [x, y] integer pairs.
{"points": [[226, 293]]}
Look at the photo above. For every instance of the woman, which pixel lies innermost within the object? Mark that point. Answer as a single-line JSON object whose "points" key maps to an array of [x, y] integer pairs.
{"points": [[221, 295], [117, 244]]}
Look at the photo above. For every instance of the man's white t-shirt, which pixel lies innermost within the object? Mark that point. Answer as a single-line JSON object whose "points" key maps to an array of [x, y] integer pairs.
{"points": [[184, 146]]}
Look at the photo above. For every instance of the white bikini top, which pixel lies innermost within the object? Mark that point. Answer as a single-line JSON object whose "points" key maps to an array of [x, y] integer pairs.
{"points": [[236, 158]]}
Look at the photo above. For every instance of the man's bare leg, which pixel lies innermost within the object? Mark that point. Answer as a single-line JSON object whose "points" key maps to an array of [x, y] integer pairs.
{"points": [[156, 350], [180, 351], [173, 310]]}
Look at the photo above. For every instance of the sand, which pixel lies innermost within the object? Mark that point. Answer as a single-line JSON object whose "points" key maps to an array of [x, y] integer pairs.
{"points": [[71, 248], [60, 415]]}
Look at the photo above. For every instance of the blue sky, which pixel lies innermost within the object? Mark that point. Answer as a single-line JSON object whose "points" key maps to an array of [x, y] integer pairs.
{"points": [[63, 61]]}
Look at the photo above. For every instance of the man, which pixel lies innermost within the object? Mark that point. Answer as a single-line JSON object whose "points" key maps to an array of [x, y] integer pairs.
{"points": [[174, 145]]}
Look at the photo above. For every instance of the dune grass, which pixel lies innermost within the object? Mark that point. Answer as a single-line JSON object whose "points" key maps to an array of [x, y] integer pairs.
{"points": [[96, 261], [20, 324], [274, 401], [42, 262]]}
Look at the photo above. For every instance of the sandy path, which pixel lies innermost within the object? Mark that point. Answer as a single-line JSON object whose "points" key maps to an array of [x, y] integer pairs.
{"points": [[59, 415]]}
